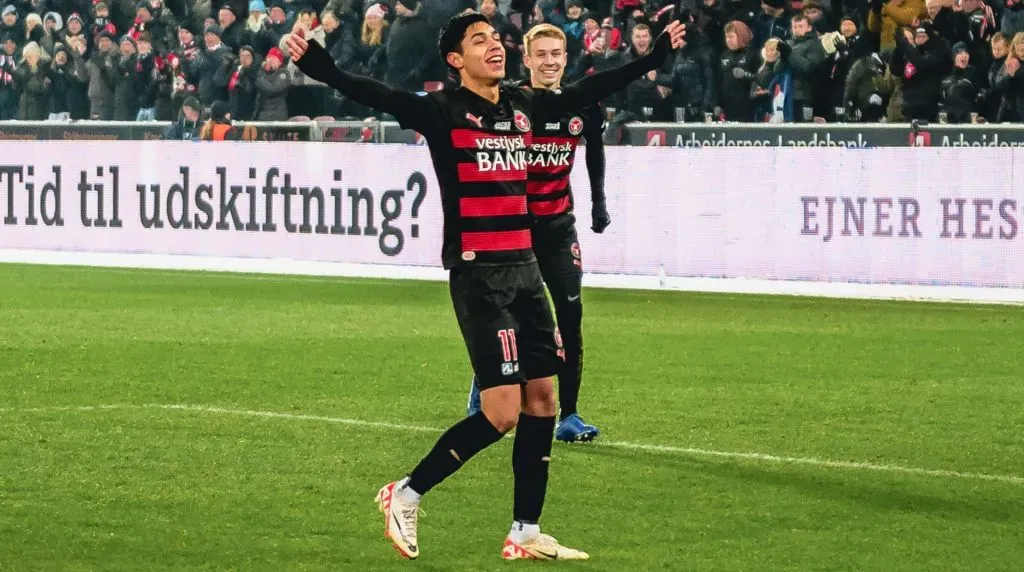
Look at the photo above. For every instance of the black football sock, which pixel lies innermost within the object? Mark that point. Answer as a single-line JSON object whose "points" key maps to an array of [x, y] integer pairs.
{"points": [[570, 317], [531, 457], [458, 445]]}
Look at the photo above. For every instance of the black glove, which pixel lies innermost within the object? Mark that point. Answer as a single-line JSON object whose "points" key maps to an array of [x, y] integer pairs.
{"points": [[601, 218]]}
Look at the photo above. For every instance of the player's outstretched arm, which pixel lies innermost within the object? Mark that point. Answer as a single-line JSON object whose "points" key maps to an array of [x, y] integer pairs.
{"points": [[316, 62], [593, 131], [594, 88]]}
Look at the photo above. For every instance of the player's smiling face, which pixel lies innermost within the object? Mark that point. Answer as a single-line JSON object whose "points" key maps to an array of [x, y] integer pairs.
{"points": [[483, 55], [546, 61]]}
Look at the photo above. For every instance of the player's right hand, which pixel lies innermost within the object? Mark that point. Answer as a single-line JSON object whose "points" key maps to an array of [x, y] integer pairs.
{"points": [[297, 45]]}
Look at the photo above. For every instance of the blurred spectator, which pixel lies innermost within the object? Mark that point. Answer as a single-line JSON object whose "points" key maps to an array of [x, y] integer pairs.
{"points": [[411, 48], [242, 85], [739, 66], [808, 61], [694, 79], [186, 126], [127, 84], [8, 77], [772, 22], [886, 17], [101, 78], [991, 96], [959, 91], [78, 86], [257, 31], [1010, 81], [34, 82], [861, 93], [1013, 18], [272, 85], [68, 78], [231, 30], [218, 126], [922, 60]]}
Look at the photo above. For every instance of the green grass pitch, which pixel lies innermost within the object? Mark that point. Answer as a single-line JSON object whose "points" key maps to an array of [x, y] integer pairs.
{"points": [[144, 487]]}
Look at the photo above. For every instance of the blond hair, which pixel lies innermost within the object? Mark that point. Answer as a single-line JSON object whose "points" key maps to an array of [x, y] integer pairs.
{"points": [[371, 37], [1018, 39], [543, 31]]}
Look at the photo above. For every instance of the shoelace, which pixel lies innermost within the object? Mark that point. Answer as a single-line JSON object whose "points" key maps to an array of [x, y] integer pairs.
{"points": [[409, 519]]}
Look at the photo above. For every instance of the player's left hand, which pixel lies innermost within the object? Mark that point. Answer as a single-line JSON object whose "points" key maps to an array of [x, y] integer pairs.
{"points": [[600, 217]]}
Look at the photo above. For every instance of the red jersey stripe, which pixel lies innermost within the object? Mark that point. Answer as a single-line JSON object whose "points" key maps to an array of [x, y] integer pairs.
{"points": [[471, 173], [492, 206], [546, 187], [548, 208], [496, 241]]}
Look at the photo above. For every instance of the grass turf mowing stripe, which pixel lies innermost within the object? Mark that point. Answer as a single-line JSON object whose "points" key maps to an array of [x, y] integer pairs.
{"points": [[668, 449]]}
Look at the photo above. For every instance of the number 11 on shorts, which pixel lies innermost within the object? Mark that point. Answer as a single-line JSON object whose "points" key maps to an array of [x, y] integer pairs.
{"points": [[509, 351]]}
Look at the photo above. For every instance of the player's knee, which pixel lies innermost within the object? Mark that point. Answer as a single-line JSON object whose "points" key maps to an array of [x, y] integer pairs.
{"points": [[541, 401], [503, 421]]}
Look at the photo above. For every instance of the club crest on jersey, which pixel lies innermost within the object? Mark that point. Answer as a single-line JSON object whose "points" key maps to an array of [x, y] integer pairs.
{"points": [[575, 126], [521, 120], [469, 256], [575, 250], [476, 120]]}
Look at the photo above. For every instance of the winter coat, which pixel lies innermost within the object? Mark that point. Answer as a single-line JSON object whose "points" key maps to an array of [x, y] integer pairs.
{"points": [[126, 88], [272, 101], [34, 104], [101, 86], [242, 92], [411, 54], [959, 94], [1012, 87], [694, 79], [737, 72], [1013, 19], [203, 72], [893, 17], [259, 35], [808, 61], [371, 61], [922, 69]]}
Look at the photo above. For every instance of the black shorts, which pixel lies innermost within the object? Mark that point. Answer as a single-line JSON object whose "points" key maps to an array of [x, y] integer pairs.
{"points": [[506, 321], [557, 248]]}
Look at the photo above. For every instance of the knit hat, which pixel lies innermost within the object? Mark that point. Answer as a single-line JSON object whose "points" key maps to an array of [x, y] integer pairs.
{"points": [[960, 47], [776, 4], [214, 29], [96, 6], [257, 6], [376, 10], [276, 53], [10, 9], [76, 17], [410, 4], [743, 33], [130, 40]]}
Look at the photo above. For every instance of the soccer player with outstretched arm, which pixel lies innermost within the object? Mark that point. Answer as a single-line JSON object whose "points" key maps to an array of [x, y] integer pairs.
{"points": [[551, 157], [478, 136]]}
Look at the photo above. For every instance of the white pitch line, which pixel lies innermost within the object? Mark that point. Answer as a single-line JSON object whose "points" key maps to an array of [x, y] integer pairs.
{"points": [[666, 449]]}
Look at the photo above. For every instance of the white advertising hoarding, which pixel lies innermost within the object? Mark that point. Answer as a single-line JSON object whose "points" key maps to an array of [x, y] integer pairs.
{"points": [[916, 217]]}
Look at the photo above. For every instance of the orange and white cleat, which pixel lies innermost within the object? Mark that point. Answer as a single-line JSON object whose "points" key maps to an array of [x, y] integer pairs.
{"points": [[540, 547], [399, 520]]}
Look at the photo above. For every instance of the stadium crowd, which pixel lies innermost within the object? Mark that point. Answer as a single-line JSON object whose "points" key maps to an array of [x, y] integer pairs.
{"points": [[956, 61]]}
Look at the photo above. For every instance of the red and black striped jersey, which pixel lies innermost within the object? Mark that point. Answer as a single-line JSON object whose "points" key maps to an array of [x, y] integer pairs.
{"points": [[480, 148], [552, 155]]}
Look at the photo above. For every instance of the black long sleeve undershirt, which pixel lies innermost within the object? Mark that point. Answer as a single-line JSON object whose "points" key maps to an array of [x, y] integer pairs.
{"points": [[411, 110], [595, 158]]}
